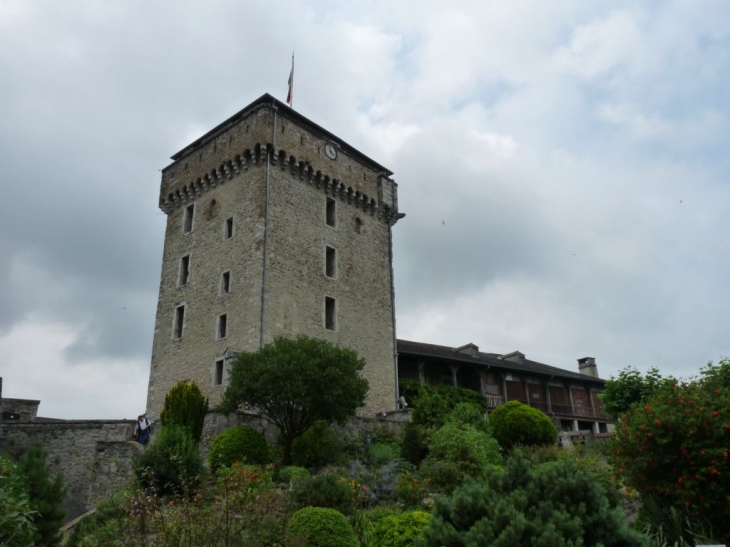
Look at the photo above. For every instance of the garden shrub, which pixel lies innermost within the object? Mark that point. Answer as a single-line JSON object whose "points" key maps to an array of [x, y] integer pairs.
{"points": [[16, 514], [675, 446], [553, 505], [469, 413], [515, 423], [318, 446], [431, 405], [238, 444], [291, 474], [414, 447], [402, 530], [320, 527], [186, 406], [458, 450], [45, 495], [382, 453], [431, 410], [324, 490], [410, 490], [171, 464]]}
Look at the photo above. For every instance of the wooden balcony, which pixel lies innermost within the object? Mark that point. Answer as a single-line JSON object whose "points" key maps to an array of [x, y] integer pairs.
{"points": [[494, 401]]}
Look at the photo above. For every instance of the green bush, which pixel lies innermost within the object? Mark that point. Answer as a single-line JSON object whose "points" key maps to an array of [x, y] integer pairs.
{"points": [[171, 464], [431, 405], [382, 453], [186, 406], [16, 514], [292, 474], [515, 423], [403, 530], [318, 446], [553, 505], [325, 490], [320, 527], [45, 495], [431, 410], [469, 413], [238, 444], [458, 450], [414, 447]]}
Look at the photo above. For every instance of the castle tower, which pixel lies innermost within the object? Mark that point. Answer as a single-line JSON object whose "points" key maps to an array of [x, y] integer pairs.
{"points": [[274, 227]]}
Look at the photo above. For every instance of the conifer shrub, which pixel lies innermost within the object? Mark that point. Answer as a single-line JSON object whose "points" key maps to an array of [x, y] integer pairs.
{"points": [[325, 490], [515, 423], [458, 450], [553, 505], [401, 530], [318, 446], [16, 514], [45, 494], [238, 444], [171, 464], [186, 406], [320, 527]]}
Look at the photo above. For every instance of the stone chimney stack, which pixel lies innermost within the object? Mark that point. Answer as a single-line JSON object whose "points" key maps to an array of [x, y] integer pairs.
{"points": [[587, 366]]}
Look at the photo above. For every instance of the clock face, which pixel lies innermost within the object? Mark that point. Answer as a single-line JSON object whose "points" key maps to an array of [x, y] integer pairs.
{"points": [[330, 150]]}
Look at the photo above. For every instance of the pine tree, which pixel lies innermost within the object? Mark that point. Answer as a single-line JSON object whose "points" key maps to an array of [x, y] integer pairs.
{"points": [[46, 495], [185, 405]]}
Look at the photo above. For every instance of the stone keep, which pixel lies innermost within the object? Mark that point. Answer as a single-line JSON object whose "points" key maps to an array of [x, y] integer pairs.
{"points": [[274, 227]]}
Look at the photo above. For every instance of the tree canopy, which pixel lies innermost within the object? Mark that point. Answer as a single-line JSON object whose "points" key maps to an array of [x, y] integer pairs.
{"points": [[294, 383], [629, 388]]}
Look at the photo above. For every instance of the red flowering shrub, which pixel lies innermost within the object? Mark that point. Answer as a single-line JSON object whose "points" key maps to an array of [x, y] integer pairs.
{"points": [[674, 446]]}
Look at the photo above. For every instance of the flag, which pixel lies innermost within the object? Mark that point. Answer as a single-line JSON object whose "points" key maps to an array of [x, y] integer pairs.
{"points": [[290, 95]]}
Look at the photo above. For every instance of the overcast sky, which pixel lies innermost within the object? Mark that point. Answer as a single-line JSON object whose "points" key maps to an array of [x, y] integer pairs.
{"points": [[563, 167]]}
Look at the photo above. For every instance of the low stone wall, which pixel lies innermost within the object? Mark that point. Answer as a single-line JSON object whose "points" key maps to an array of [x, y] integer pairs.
{"points": [[95, 456]]}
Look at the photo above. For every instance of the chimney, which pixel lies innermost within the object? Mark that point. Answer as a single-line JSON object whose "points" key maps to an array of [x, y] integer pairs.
{"points": [[587, 366]]}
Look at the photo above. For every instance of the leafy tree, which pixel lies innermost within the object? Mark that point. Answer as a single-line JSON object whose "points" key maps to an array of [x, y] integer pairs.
{"points": [[629, 388], [46, 495], [515, 423], [554, 505], [431, 405], [185, 405], [675, 446], [294, 383], [16, 514]]}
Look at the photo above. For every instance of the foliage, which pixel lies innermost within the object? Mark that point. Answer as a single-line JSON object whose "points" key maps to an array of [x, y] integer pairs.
{"points": [[45, 495], [675, 446], [515, 423], [318, 446], [171, 463], [431, 404], [673, 526], [458, 450], [414, 446], [372, 486], [410, 490], [16, 513], [628, 389], [382, 453], [554, 505], [294, 383], [431, 410], [185, 405], [320, 527], [325, 490], [469, 413], [238, 444], [292, 474], [402, 530]]}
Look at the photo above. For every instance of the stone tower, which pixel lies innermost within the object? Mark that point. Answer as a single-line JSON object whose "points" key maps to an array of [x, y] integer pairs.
{"points": [[274, 227]]}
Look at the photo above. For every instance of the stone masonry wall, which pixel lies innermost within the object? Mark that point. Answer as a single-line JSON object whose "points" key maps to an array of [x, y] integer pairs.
{"points": [[77, 449]]}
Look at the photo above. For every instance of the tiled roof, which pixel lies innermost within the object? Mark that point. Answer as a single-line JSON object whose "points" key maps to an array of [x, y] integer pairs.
{"points": [[407, 347]]}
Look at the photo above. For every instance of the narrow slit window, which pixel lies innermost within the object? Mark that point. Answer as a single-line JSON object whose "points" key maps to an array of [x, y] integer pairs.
{"points": [[330, 309], [222, 327], [218, 378], [330, 214], [184, 274], [179, 322], [228, 229], [358, 226], [225, 283], [188, 220], [330, 268]]}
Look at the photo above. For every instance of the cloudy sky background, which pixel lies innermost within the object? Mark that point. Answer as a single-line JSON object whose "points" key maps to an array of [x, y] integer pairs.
{"points": [[564, 168]]}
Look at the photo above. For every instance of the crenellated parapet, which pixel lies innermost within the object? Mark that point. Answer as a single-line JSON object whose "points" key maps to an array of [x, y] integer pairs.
{"points": [[383, 206]]}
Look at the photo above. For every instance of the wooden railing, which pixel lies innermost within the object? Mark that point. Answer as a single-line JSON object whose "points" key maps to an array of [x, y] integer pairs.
{"points": [[494, 401]]}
